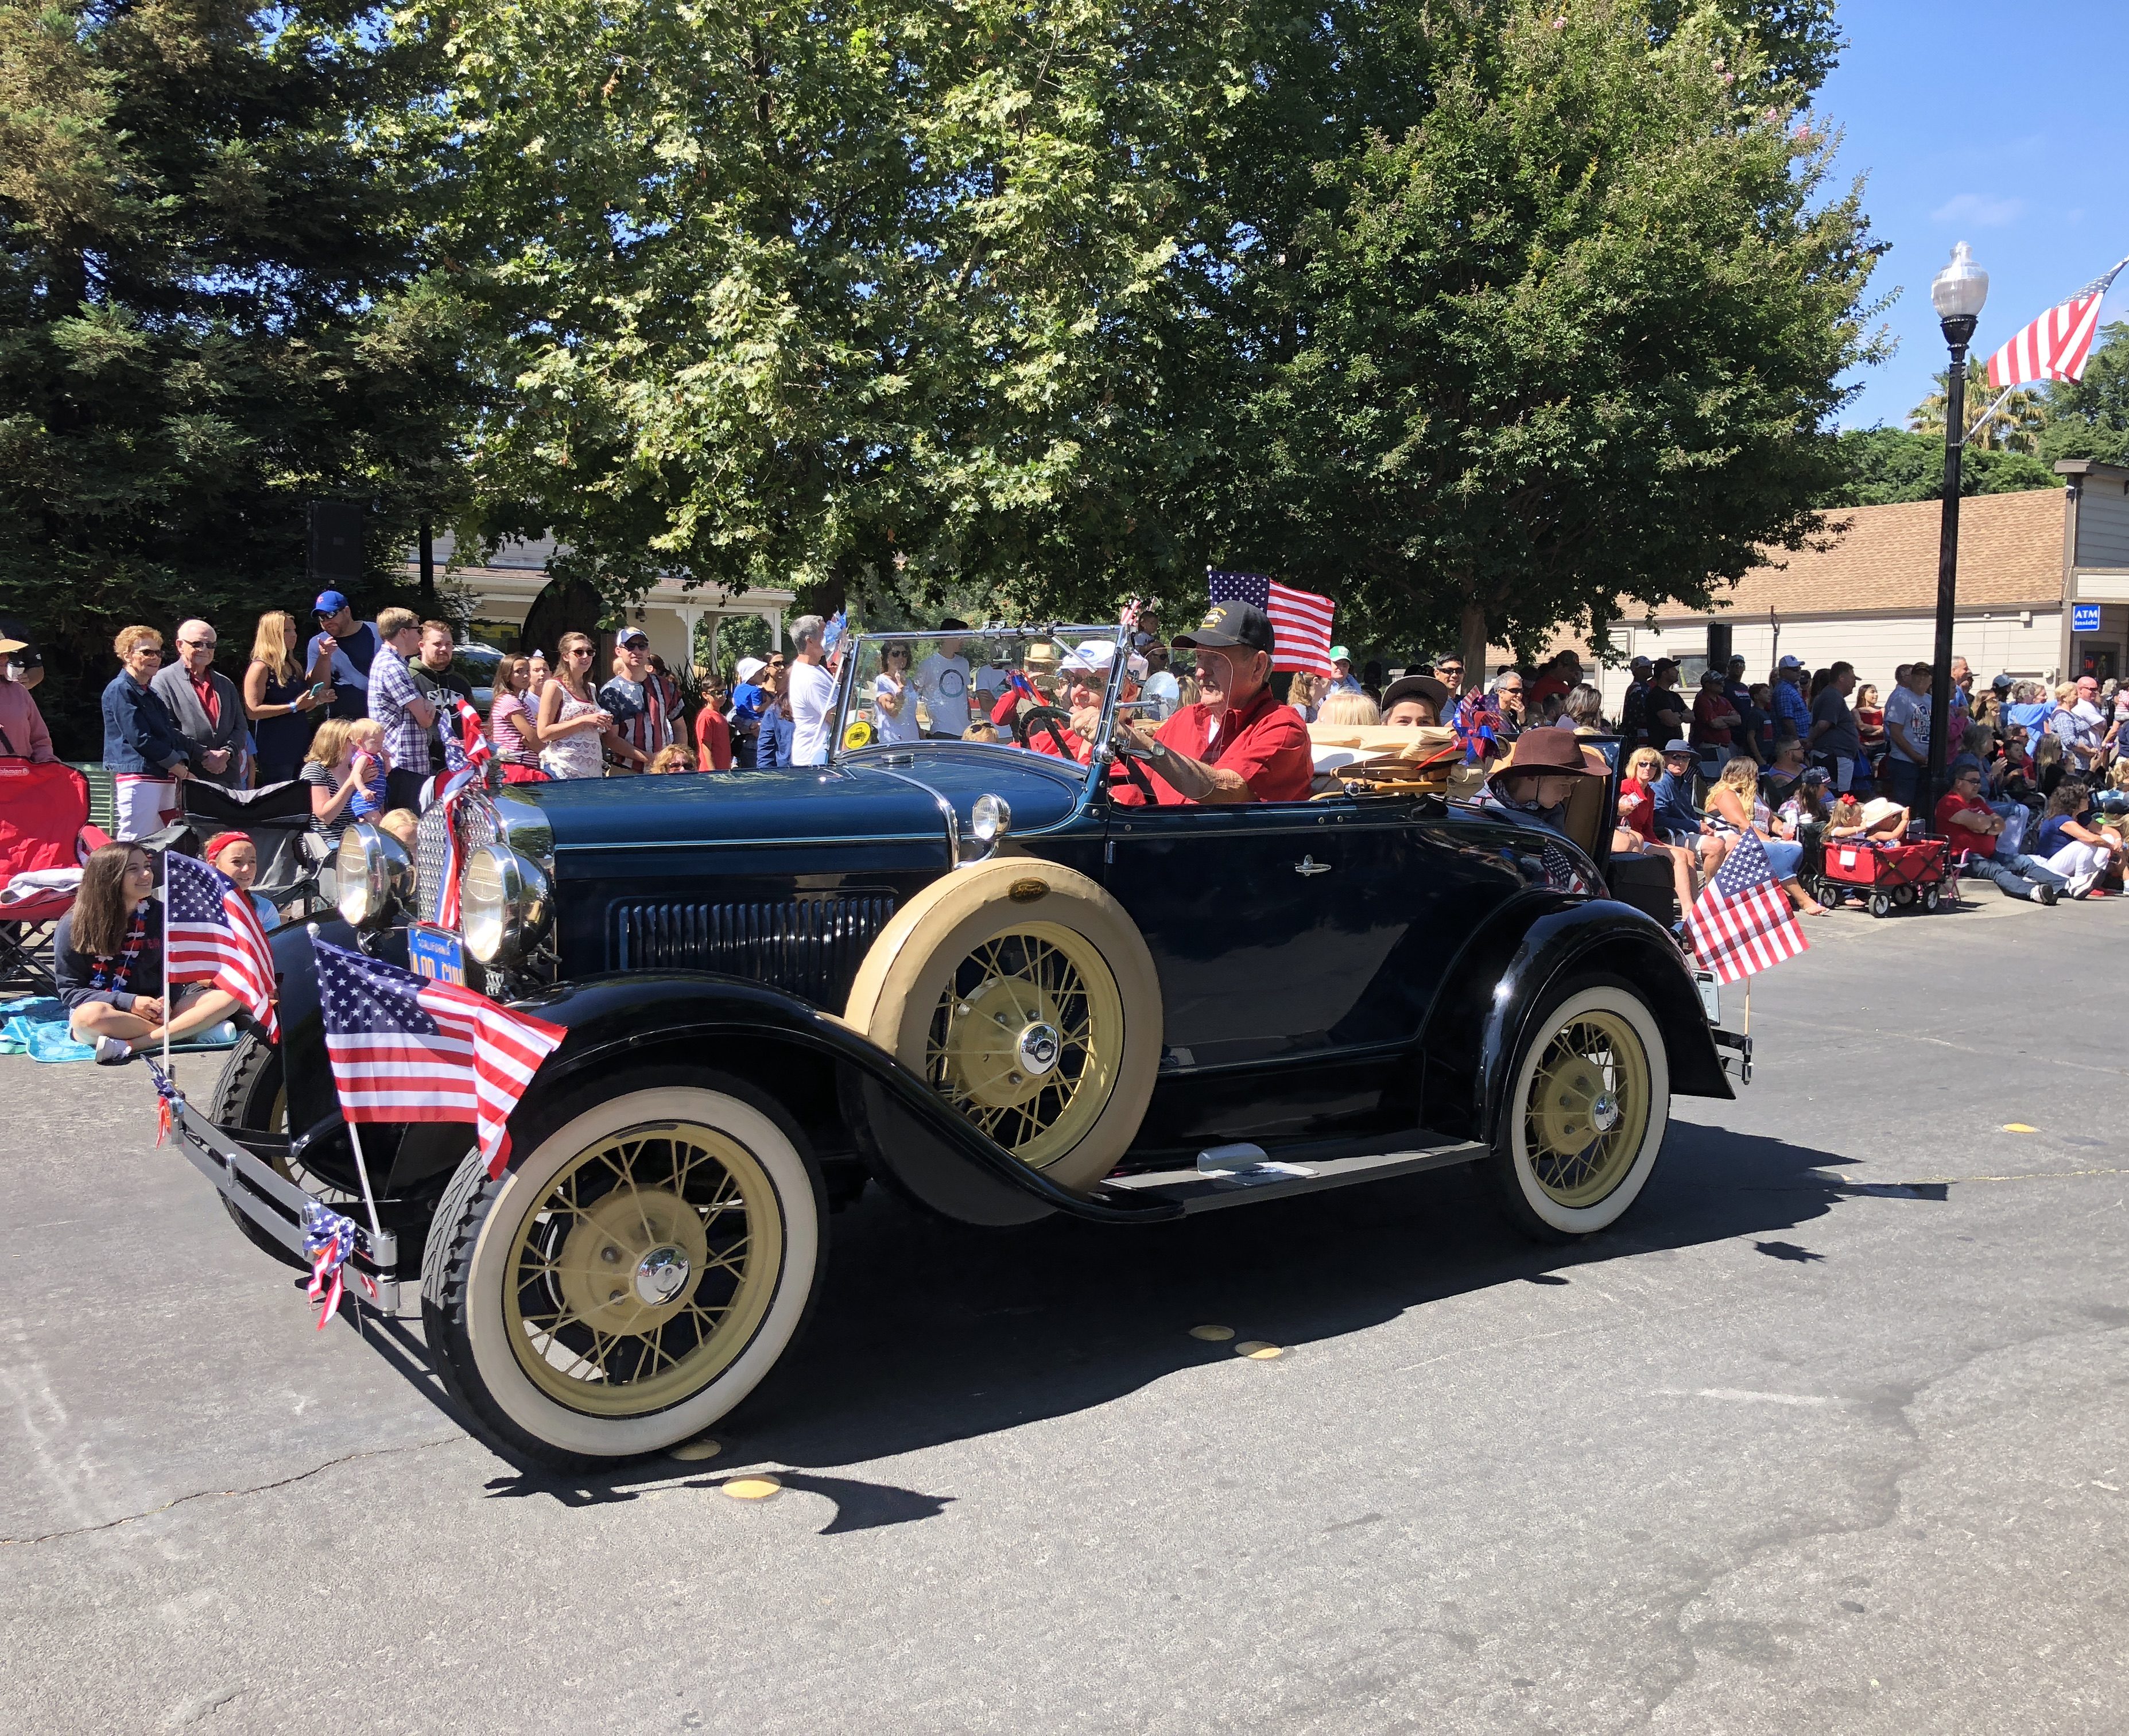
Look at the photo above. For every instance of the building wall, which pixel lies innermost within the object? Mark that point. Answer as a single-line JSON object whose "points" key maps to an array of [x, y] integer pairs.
{"points": [[2023, 644], [2102, 523]]}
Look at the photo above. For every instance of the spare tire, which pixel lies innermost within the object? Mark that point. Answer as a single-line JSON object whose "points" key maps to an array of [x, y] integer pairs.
{"points": [[1021, 993]]}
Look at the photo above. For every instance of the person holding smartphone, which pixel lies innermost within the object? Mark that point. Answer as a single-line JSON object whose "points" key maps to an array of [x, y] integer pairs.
{"points": [[282, 698]]}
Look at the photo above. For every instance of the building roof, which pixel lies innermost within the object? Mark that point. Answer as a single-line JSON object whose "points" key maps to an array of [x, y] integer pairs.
{"points": [[1882, 560]]}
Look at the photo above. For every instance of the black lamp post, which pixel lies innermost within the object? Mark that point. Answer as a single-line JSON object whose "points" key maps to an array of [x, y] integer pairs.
{"points": [[1957, 292]]}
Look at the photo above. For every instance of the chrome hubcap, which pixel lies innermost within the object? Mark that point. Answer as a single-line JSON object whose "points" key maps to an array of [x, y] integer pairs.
{"points": [[1038, 1048], [661, 1275]]}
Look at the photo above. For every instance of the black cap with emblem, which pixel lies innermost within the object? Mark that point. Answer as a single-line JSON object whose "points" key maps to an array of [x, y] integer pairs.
{"points": [[1230, 624]]}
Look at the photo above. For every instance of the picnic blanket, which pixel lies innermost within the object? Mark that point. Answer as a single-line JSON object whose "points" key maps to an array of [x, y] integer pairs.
{"points": [[38, 1028]]}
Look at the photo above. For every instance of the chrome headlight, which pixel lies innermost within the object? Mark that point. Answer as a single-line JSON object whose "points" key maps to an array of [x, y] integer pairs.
{"points": [[990, 819], [505, 904], [373, 876]]}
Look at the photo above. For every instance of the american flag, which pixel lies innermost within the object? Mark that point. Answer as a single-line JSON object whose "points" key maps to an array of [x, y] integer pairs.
{"points": [[1560, 873], [1742, 921], [403, 1048], [2057, 344], [1300, 620], [214, 937]]}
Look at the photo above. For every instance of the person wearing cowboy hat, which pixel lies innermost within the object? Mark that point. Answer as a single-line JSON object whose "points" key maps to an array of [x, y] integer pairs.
{"points": [[1237, 743], [1413, 702], [1539, 775]]}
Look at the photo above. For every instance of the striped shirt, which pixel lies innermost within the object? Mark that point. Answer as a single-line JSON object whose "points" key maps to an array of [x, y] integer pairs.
{"points": [[391, 690]]}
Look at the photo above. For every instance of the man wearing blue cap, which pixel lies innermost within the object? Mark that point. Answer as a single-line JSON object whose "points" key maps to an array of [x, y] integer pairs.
{"points": [[352, 646]]}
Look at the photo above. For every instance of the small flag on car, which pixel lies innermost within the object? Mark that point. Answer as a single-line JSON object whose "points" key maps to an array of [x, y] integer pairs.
{"points": [[1300, 620], [214, 937], [405, 1048], [1742, 922]]}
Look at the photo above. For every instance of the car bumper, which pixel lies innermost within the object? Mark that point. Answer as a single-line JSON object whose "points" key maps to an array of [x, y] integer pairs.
{"points": [[252, 1186], [1735, 1051]]}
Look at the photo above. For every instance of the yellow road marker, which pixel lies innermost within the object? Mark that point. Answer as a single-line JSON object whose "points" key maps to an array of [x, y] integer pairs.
{"points": [[1257, 1351], [1213, 1334], [752, 1488], [701, 1448], [2018, 1126]]}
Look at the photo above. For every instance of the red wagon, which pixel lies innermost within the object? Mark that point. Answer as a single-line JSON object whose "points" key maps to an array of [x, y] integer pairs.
{"points": [[1896, 875]]}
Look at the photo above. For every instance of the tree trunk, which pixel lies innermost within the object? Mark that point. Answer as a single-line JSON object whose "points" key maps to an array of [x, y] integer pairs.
{"points": [[1472, 642]]}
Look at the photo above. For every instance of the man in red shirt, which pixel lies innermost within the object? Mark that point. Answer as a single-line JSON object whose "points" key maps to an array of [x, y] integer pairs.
{"points": [[1238, 743], [1972, 826]]}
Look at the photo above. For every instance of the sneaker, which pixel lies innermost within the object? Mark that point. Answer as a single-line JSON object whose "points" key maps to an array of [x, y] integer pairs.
{"points": [[2044, 895], [2082, 886], [112, 1052]]}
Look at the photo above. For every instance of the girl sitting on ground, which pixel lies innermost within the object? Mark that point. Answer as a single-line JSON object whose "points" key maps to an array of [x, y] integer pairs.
{"points": [[237, 856], [108, 959], [1735, 804]]}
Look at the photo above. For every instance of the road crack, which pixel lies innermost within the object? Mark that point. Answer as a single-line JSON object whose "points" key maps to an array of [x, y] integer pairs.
{"points": [[223, 1494]]}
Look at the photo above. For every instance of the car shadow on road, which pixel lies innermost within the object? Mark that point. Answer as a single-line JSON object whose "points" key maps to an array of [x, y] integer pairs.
{"points": [[927, 1332]]}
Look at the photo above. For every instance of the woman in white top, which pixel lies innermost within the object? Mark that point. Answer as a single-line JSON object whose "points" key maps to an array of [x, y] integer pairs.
{"points": [[572, 725], [893, 696]]}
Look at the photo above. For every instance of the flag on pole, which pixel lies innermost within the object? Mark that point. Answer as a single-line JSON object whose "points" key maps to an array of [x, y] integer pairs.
{"points": [[2058, 344], [404, 1048], [1742, 922], [1300, 620], [212, 936]]}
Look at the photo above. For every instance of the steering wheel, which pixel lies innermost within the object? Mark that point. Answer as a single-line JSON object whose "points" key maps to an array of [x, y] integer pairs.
{"points": [[1026, 720]]}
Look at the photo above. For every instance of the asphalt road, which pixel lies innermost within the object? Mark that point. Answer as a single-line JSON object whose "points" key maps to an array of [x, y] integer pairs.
{"points": [[1833, 1434]]}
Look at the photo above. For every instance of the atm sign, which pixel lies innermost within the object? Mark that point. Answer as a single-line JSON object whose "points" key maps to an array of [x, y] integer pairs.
{"points": [[2084, 617]]}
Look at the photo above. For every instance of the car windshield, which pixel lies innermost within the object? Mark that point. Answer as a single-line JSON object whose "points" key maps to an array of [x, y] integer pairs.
{"points": [[897, 689]]}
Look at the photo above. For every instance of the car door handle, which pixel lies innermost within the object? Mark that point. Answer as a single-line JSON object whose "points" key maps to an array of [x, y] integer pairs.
{"points": [[1309, 865]]}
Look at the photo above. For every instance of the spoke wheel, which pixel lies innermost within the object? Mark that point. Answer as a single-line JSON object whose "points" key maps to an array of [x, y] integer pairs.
{"points": [[250, 1096], [1584, 1112], [1024, 1039], [651, 1253], [1587, 1109], [643, 1268]]}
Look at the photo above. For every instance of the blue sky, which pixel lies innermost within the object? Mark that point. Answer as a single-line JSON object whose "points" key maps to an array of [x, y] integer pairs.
{"points": [[2028, 166]]}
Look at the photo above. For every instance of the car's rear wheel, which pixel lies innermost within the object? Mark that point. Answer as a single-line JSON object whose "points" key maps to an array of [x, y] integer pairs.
{"points": [[1026, 997], [1586, 1110], [634, 1276]]}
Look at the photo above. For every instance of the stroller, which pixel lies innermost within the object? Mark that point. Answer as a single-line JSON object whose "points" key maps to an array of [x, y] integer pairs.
{"points": [[277, 819], [45, 833]]}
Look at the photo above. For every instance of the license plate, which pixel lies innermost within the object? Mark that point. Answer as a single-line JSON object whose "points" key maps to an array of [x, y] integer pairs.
{"points": [[1711, 995], [435, 953]]}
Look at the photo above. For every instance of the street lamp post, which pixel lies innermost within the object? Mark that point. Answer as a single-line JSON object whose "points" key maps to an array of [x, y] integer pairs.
{"points": [[1957, 292]]}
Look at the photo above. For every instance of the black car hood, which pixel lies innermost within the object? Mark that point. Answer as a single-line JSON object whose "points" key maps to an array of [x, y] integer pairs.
{"points": [[800, 804]]}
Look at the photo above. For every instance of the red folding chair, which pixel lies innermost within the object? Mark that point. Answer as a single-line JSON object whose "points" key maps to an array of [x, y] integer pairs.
{"points": [[44, 823]]}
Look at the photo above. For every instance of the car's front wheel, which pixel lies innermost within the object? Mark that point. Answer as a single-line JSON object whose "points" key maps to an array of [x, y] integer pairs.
{"points": [[1588, 1104], [631, 1277]]}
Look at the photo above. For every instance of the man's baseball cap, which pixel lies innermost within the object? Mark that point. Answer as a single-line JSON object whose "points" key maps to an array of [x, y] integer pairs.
{"points": [[1339, 654], [1640, 663], [1682, 747], [1231, 624], [749, 668], [631, 635], [2002, 682], [1791, 662], [329, 602], [950, 624]]}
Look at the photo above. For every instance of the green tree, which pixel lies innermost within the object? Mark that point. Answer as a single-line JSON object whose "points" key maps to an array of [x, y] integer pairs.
{"points": [[2016, 427], [210, 309], [1882, 466], [1567, 341], [2089, 418]]}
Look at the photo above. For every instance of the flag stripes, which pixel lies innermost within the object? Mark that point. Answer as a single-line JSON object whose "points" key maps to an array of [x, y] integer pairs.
{"points": [[1742, 922], [214, 937], [2058, 344], [1300, 620]]}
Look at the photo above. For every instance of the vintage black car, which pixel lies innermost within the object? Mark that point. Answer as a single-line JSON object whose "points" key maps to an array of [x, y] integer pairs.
{"points": [[963, 969]]}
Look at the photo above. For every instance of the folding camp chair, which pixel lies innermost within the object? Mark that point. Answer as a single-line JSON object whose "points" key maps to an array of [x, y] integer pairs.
{"points": [[277, 819], [44, 824]]}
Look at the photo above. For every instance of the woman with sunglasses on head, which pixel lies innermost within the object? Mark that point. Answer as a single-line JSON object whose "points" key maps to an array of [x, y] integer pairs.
{"points": [[510, 722], [147, 757], [108, 959], [280, 696], [573, 729]]}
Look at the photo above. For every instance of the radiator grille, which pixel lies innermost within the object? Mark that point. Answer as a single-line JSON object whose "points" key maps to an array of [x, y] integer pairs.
{"points": [[477, 826], [809, 947]]}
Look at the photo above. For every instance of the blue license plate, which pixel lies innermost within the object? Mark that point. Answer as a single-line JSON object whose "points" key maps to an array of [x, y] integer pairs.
{"points": [[436, 954]]}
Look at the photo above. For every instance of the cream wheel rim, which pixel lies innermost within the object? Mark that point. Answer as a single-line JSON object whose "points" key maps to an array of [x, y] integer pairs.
{"points": [[1588, 1111], [643, 1269], [1025, 1038]]}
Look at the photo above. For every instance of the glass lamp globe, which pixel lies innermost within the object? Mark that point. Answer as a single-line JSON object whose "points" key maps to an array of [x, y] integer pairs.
{"points": [[1958, 290]]}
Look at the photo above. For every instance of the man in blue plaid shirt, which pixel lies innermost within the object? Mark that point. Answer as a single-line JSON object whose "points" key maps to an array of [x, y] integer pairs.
{"points": [[397, 703]]}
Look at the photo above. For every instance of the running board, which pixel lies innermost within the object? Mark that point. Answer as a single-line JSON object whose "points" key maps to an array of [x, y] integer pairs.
{"points": [[1207, 1189]]}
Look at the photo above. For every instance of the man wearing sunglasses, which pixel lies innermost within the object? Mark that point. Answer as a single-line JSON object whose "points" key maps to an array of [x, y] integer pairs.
{"points": [[1238, 743], [204, 706]]}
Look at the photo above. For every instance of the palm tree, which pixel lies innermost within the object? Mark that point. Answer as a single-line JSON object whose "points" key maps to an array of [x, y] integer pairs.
{"points": [[2016, 427]]}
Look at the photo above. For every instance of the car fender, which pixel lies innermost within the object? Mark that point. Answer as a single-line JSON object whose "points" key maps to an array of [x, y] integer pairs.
{"points": [[759, 1033], [1505, 971]]}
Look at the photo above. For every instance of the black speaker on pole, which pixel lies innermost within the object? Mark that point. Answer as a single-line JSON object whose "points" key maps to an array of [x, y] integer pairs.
{"points": [[335, 558], [1718, 646]]}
